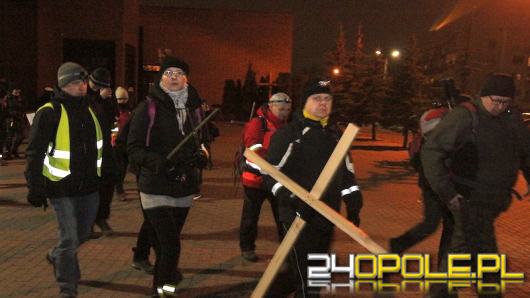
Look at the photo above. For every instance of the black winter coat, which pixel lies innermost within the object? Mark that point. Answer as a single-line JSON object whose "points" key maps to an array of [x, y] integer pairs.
{"points": [[300, 150], [83, 179], [165, 135]]}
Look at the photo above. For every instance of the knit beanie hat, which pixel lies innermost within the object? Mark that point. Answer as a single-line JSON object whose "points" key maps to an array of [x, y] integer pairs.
{"points": [[69, 72], [100, 76], [174, 62], [121, 93], [498, 84], [431, 118], [315, 86]]}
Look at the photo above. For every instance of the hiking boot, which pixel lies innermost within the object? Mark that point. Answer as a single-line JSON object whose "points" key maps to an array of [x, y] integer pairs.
{"points": [[105, 228], [143, 265], [249, 255]]}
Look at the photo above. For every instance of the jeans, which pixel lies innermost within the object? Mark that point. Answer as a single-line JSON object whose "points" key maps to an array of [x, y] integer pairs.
{"points": [[75, 217], [167, 223], [248, 230]]}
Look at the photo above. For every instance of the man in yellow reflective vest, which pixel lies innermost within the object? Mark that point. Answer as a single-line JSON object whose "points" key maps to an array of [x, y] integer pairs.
{"points": [[65, 155]]}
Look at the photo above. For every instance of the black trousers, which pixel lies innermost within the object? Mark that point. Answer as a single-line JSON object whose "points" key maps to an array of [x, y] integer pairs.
{"points": [[248, 228], [106, 192], [122, 161], [146, 239], [15, 136], [433, 212], [167, 223], [473, 233], [311, 240]]}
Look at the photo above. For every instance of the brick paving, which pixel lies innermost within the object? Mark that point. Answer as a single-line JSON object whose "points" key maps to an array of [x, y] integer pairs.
{"points": [[210, 252]]}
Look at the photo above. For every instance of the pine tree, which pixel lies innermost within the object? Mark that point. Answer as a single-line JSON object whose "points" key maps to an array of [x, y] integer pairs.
{"points": [[337, 67], [249, 94], [229, 104], [407, 97]]}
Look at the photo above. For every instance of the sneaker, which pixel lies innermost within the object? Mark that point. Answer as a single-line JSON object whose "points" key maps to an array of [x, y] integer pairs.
{"points": [[143, 265], [105, 228], [197, 196], [249, 255]]}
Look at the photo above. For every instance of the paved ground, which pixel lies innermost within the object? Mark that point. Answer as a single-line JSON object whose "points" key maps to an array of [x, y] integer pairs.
{"points": [[210, 254]]}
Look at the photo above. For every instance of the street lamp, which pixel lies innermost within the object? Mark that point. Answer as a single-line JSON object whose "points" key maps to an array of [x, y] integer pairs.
{"points": [[394, 54], [336, 71]]}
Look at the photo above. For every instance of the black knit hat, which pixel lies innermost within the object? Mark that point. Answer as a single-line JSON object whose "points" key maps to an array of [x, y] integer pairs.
{"points": [[498, 84], [100, 76], [174, 62], [69, 72], [315, 86]]}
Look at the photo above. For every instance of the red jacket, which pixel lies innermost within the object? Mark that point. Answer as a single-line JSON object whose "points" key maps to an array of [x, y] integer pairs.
{"points": [[257, 139]]}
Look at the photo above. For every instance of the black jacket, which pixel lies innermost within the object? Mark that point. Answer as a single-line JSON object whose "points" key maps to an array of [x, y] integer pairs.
{"points": [[83, 152], [300, 150], [165, 135]]}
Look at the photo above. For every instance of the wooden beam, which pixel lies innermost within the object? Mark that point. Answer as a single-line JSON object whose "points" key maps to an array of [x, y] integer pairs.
{"points": [[318, 189]]}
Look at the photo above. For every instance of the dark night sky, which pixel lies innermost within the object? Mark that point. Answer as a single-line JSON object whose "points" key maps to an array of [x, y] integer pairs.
{"points": [[386, 23]]}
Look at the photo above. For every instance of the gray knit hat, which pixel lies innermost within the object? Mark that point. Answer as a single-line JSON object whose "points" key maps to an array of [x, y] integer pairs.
{"points": [[69, 72]]}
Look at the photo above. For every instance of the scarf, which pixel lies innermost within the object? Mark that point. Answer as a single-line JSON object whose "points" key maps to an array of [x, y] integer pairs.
{"points": [[179, 99]]}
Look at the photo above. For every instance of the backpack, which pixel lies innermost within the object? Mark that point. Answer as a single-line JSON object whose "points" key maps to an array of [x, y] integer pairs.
{"points": [[239, 163], [415, 145]]}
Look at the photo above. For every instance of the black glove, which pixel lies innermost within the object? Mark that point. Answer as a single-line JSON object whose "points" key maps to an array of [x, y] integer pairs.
{"points": [[174, 171], [37, 197], [305, 211], [286, 198]]}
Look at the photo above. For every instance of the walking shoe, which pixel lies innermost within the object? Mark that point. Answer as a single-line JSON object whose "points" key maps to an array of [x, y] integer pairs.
{"points": [[144, 265], [94, 234], [50, 260], [105, 228], [249, 255]]}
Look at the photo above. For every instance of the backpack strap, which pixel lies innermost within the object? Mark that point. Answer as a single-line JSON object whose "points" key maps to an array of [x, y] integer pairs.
{"points": [[151, 112], [472, 109], [264, 126]]}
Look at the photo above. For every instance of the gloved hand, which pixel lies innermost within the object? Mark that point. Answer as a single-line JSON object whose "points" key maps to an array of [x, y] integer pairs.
{"points": [[305, 211], [454, 203], [174, 171], [37, 197], [286, 197]]}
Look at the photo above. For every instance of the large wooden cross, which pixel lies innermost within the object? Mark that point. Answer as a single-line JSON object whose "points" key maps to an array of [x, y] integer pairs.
{"points": [[312, 199]]}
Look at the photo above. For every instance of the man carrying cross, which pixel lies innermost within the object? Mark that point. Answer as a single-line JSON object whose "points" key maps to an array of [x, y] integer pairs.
{"points": [[300, 150]]}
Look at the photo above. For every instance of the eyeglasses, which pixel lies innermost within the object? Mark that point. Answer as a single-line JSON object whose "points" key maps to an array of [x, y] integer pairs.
{"points": [[178, 73], [500, 100]]}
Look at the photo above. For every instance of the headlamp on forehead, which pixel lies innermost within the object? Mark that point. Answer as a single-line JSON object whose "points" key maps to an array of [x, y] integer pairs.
{"points": [[284, 100]]}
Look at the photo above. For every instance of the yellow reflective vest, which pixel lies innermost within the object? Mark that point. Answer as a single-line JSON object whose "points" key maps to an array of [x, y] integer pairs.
{"points": [[56, 164]]}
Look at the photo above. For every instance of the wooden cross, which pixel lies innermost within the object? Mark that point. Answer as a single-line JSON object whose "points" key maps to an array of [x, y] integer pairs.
{"points": [[312, 199]]}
